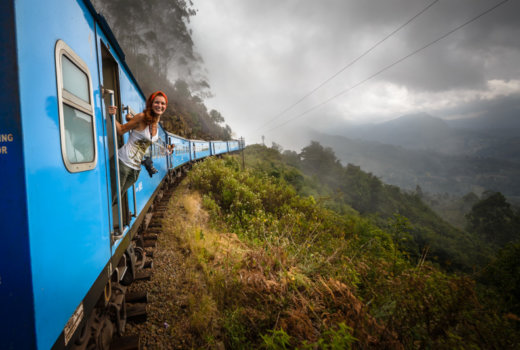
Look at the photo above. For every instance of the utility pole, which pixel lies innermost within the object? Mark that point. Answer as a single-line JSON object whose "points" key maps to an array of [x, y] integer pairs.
{"points": [[242, 146], [263, 140]]}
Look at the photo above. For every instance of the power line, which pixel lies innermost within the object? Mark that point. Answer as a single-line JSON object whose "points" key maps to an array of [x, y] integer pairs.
{"points": [[351, 63], [391, 65]]}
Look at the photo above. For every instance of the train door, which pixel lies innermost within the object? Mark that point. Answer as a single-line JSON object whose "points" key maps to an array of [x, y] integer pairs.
{"points": [[120, 215]]}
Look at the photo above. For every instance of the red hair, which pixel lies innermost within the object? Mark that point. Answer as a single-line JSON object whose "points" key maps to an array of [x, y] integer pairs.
{"points": [[149, 116]]}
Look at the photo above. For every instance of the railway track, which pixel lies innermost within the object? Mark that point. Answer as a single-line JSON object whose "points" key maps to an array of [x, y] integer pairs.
{"points": [[145, 242]]}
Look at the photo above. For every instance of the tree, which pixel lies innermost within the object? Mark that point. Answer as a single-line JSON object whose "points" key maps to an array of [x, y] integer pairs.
{"points": [[493, 219], [159, 30], [277, 147], [216, 117], [504, 275], [320, 161], [419, 191], [292, 158]]}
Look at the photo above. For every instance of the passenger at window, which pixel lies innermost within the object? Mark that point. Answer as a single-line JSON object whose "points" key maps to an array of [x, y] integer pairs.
{"points": [[144, 131]]}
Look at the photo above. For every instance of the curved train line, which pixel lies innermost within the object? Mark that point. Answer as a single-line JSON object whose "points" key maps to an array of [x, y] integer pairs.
{"points": [[67, 251]]}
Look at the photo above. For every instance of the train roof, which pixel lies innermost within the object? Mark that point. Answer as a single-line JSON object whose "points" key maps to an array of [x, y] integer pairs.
{"points": [[175, 135]]}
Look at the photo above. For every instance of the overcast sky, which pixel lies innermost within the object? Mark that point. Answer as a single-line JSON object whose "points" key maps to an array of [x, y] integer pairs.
{"points": [[262, 56]]}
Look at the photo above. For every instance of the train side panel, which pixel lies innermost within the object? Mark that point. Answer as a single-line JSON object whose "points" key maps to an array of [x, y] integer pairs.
{"points": [[16, 293], [219, 147], [200, 149], [161, 152], [181, 152], [233, 146], [68, 229]]}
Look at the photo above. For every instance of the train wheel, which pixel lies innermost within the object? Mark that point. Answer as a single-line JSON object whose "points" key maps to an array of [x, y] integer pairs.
{"points": [[105, 336], [84, 335], [139, 257], [103, 332], [128, 277]]}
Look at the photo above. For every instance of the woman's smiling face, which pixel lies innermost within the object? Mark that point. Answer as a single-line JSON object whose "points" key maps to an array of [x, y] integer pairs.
{"points": [[159, 105]]}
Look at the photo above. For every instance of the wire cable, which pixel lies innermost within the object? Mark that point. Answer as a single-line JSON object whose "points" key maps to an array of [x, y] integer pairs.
{"points": [[392, 64], [351, 63]]}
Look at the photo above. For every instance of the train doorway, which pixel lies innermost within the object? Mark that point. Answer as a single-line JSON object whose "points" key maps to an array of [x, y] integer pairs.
{"points": [[111, 95]]}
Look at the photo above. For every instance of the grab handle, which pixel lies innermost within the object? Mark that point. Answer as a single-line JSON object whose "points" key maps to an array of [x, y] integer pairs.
{"points": [[116, 159]]}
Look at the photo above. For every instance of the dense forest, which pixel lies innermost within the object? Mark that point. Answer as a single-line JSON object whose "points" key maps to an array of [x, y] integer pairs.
{"points": [[161, 54], [326, 256]]}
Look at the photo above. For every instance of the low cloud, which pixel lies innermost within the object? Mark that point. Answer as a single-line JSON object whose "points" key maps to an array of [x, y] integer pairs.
{"points": [[264, 56]]}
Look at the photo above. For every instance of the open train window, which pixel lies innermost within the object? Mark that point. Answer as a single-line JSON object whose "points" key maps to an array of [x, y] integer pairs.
{"points": [[76, 110]]}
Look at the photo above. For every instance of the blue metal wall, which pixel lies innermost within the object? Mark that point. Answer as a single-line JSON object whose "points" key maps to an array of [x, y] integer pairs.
{"points": [[181, 152], [218, 147], [15, 273], [200, 149], [233, 145], [68, 227]]}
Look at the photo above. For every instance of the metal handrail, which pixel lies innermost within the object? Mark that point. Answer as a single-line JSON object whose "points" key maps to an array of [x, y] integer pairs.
{"points": [[135, 201], [116, 159], [130, 111]]}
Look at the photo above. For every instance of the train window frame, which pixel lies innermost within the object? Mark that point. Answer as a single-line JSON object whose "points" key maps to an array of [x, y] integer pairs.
{"points": [[76, 103]]}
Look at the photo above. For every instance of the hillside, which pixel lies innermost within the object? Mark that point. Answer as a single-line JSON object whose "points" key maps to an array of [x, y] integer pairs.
{"points": [[433, 171], [244, 262], [350, 188]]}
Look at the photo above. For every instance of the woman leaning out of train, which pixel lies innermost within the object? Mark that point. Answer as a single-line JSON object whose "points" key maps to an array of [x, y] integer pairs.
{"points": [[144, 131]]}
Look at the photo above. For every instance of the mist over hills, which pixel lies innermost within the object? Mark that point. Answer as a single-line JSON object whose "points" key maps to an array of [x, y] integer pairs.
{"points": [[456, 137], [441, 156], [501, 119]]}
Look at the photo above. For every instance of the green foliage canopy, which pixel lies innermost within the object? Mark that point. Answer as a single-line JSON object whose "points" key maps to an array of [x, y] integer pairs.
{"points": [[493, 219]]}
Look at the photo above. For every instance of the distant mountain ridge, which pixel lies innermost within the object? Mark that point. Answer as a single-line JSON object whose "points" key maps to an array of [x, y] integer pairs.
{"points": [[425, 132], [505, 123]]}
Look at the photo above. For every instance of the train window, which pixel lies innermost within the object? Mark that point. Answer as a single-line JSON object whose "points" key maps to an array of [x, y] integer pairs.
{"points": [[76, 110], [78, 135], [75, 80]]}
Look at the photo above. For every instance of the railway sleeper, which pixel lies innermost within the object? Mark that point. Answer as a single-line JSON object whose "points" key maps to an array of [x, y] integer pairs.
{"points": [[143, 275], [149, 244], [153, 230], [151, 236], [137, 297], [136, 313], [130, 342]]}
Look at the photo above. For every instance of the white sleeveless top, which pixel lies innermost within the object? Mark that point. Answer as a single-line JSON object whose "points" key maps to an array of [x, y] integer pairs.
{"points": [[132, 152]]}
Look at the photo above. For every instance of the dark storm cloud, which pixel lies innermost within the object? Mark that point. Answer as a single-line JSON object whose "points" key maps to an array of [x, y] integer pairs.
{"points": [[468, 57], [264, 55]]}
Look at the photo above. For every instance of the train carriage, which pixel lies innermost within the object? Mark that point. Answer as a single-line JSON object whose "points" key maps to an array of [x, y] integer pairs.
{"points": [[233, 145], [64, 163], [69, 238], [181, 151], [218, 147], [199, 149]]}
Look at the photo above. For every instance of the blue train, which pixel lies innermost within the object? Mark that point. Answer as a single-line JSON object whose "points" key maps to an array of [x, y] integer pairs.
{"points": [[66, 248]]}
